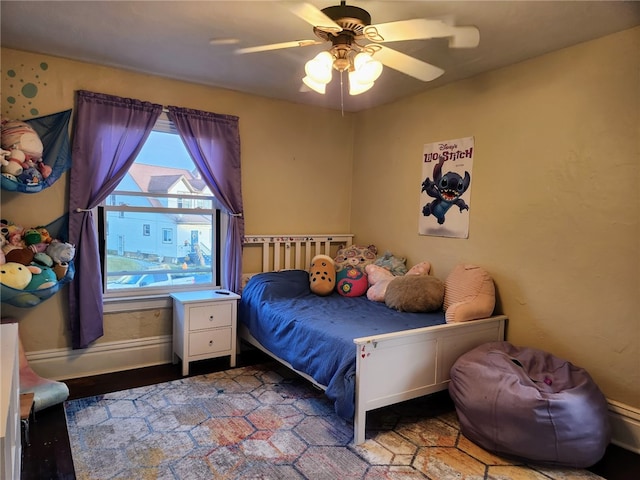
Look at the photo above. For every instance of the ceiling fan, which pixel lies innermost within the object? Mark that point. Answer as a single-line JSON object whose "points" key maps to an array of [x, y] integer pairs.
{"points": [[355, 45]]}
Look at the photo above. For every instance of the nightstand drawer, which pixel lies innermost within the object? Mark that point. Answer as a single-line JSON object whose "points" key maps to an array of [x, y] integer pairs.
{"points": [[210, 316], [212, 341]]}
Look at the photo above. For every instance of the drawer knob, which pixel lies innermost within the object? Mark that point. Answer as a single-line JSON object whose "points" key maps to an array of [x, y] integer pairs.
{"points": [[210, 342], [210, 318]]}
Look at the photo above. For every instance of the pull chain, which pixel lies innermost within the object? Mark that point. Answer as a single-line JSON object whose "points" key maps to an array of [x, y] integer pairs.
{"points": [[341, 94]]}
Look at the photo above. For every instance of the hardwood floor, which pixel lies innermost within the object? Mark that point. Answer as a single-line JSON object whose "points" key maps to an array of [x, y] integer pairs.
{"points": [[48, 457]]}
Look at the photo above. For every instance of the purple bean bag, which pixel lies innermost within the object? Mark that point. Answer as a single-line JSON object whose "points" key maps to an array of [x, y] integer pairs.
{"points": [[528, 404]]}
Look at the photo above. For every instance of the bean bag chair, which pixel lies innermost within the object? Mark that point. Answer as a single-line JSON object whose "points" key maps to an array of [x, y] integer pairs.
{"points": [[528, 404]]}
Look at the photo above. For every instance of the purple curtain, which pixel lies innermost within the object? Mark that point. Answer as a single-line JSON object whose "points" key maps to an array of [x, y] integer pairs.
{"points": [[213, 141], [109, 133]]}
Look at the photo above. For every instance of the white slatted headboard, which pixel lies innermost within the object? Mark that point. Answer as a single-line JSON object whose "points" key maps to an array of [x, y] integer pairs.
{"points": [[284, 252]]}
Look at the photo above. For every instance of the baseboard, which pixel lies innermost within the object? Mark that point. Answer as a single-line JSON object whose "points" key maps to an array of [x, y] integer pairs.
{"points": [[107, 357], [625, 426]]}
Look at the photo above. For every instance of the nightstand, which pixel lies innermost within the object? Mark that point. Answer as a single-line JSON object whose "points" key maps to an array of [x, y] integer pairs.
{"points": [[204, 326]]}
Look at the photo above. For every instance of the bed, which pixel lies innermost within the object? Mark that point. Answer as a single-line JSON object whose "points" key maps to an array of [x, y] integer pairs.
{"points": [[363, 354]]}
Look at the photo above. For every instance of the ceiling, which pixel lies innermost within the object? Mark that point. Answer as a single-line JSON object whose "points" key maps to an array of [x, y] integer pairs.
{"points": [[173, 39]]}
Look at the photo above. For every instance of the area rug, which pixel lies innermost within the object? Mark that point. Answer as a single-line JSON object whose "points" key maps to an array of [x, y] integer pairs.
{"points": [[265, 422]]}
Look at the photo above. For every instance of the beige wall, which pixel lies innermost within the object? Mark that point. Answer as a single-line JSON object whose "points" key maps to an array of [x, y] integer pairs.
{"points": [[290, 156], [554, 206]]}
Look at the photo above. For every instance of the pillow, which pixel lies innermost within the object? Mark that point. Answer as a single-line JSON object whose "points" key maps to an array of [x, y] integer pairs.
{"points": [[469, 294], [415, 293], [351, 282], [355, 256], [379, 278]]}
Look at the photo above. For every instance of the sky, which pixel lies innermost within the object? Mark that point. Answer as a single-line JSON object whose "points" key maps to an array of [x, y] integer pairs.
{"points": [[165, 149]]}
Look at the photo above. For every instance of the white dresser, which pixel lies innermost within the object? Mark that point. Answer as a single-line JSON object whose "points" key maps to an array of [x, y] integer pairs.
{"points": [[204, 326], [10, 440]]}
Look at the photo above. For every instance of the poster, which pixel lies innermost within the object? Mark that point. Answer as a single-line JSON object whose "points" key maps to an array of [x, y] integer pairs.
{"points": [[445, 195]]}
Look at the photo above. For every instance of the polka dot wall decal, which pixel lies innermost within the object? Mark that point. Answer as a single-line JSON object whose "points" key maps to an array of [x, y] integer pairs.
{"points": [[21, 96], [29, 90]]}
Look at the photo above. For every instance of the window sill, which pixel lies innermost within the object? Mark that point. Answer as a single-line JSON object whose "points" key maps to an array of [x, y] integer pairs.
{"points": [[132, 304]]}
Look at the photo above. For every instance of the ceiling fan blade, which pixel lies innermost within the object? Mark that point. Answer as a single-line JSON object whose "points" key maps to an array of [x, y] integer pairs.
{"points": [[315, 17], [277, 46], [406, 64], [422, 28], [414, 29]]}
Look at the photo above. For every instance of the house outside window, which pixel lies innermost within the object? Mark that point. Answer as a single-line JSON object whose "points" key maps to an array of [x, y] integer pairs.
{"points": [[163, 194]]}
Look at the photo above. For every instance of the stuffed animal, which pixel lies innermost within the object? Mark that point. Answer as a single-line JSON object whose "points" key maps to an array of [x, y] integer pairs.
{"points": [[23, 256], [42, 258], [30, 176], [61, 252], [396, 265], [351, 279], [25, 148], [322, 275], [355, 256], [15, 275], [61, 270], [42, 278], [3, 242], [351, 282], [379, 279], [11, 163], [415, 293], [45, 236], [32, 236]]}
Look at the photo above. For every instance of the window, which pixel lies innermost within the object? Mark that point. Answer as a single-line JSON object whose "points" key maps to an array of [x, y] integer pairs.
{"points": [[178, 246]]}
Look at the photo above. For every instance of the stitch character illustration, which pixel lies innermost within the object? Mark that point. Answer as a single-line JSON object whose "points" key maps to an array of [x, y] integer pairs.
{"points": [[446, 190]]}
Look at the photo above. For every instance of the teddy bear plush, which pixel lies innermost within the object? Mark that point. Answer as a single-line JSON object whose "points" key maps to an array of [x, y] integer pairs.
{"points": [[355, 256], [322, 275]]}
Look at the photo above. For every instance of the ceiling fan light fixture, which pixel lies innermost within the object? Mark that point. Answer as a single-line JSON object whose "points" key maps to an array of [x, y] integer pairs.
{"points": [[367, 69], [356, 86], [318, 87], [319, 68]]}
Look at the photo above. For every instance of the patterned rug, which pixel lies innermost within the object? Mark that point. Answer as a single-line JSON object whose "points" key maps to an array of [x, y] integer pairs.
{"points": [[264, 422]]}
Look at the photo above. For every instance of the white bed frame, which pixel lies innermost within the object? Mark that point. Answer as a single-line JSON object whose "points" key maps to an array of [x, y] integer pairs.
{"points": [[392, 367]]}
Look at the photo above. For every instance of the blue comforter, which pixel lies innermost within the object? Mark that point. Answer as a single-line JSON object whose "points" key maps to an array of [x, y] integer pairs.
{"points": [[315, 334]]}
